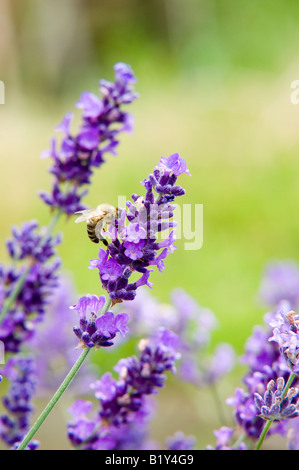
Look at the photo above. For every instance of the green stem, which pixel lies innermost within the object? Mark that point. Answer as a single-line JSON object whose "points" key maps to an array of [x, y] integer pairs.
{"points": [[263, 434], [239, 441], [268, 423], [57, 395], [14, 294], [107, 305], [54, 399], [18, 287], [52, 224]]}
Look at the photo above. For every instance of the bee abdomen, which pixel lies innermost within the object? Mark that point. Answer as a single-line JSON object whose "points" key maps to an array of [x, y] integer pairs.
{"points": [[91, 226], [94, 226], [93, 238]]}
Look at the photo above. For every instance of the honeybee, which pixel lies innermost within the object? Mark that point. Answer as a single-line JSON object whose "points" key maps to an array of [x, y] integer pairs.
{"points": [[95, 219], [292, 319]]}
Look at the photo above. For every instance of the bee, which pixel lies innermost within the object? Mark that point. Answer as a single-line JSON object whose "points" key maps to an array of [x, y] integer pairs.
{"points": [[293, 320], [96, 219]]}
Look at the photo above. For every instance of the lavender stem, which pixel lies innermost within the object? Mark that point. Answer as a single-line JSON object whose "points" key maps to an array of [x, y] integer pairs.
{"points": [[54, 399], [57, 395]]}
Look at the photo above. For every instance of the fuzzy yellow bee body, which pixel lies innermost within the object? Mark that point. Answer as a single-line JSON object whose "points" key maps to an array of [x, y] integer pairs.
{"points": [[96, 219]]}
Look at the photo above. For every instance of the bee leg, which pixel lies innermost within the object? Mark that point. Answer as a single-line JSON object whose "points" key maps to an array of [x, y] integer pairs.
{"points": [[98, 232]]}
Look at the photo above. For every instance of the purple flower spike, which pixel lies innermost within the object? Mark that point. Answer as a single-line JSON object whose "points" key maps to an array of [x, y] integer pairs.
{"points": [[122, 401], [224, 436], [30, 242], [32, 246], [74, 160], [96, 331], [280, 282], [273, 407], [124, 73], [15, 422], [84, 427], [135, 245]]}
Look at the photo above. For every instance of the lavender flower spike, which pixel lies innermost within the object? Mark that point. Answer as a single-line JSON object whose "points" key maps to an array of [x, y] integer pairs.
{"points": [[28, 242], [18, 319], [122, 401], [135, 246], [273, 407], [15, 422], [76, 157], [97, 331], [280, 282]]}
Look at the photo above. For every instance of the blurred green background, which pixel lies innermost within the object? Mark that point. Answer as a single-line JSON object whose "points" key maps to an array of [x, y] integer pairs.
{"points": [[214, 80]]}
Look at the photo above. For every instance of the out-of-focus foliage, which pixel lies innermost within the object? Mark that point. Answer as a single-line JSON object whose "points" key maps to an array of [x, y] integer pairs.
{"points": [[50, 45]]}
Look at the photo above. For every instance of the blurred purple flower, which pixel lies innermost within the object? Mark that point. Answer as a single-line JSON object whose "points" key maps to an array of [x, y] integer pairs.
{"points": [[193, 324], [280, 282], [31, 242], [180, 442], [293, 434], [265, 364], [33, 245], [224, 437], [246, 413], [14, 425]]}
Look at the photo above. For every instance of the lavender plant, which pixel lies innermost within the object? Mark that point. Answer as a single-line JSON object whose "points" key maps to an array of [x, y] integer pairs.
{"points": [[38, 279], [280, 282], [122, 403], [32, 294], [98, 331], [27, 285], [135, 246], [103, 119], [133, 249], [199, 365], [270, 403]]}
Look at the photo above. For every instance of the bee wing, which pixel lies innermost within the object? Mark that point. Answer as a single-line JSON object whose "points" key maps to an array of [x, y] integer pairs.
{"points": [[85, 215], [88, 213]]}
